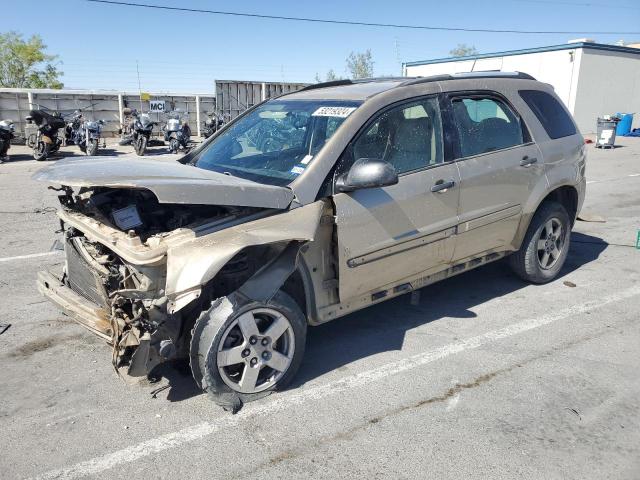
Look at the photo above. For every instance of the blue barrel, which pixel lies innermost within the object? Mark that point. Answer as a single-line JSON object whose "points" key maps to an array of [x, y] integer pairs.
{"points": [[624, 125]]}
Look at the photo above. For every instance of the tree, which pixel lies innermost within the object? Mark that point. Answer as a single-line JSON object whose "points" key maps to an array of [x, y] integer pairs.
{"points": [[330, 77], [24, 64], [462, 50], [360, 64]]}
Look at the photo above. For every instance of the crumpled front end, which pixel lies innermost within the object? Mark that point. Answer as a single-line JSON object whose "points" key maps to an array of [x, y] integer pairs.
{"points": [[122, 303], [138, 272]]}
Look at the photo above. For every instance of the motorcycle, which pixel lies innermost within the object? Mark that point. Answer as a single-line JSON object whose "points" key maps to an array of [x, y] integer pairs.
{"points": [[84, 133], [46, 141], [137, 130], [7, 130], [212, 124], [176, 131]]}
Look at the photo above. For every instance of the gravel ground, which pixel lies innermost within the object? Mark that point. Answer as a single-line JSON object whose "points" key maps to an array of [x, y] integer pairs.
{"points": [[486, 377]]}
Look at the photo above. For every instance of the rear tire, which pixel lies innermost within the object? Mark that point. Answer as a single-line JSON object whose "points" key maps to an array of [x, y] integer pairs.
{"points": [[545, 245], [41, 151], [235, 346], [174, 145]]}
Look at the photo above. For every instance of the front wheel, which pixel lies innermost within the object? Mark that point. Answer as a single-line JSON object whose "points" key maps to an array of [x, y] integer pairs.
{"points": [[41, 151], [545, 245], [92, 147], [141, 145], [243, 351]]}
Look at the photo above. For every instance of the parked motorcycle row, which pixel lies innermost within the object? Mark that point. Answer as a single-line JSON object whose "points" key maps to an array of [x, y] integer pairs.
{"points": [[7, 130], [55, 130], [76, 129]]}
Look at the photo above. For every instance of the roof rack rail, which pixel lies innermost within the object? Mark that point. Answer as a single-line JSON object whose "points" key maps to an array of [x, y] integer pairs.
{"points": [[346, 81], [332, 83], [467, 75]]}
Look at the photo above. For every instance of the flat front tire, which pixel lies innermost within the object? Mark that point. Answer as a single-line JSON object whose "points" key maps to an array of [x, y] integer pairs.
{"points": [[242, 351], [545, 245]]}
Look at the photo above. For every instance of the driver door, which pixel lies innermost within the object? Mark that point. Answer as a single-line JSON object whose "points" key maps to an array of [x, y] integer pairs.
{"points": [[390, 233]]}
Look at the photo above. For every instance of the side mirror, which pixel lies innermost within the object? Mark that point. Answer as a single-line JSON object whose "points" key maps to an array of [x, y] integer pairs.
{"points": [[367, 173]]}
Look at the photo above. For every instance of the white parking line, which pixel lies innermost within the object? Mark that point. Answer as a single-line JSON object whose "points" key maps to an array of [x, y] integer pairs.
{"points": [[32, 255], [285, 401], [613, 179]]}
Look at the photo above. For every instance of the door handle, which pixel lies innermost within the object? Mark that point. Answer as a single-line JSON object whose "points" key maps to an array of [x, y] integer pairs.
{"points": [[527, 162], [441, 186]]}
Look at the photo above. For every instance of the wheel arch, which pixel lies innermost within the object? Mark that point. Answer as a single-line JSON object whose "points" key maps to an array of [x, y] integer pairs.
{"points": [[566, 195], [197, 263]]}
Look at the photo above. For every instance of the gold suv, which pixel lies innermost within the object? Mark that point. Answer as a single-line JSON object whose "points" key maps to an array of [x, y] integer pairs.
{"points": [[308, 207]]}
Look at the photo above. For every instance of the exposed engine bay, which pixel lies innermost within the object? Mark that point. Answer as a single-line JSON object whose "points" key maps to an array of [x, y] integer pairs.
{"points": [[140, 327], [138, 212]]}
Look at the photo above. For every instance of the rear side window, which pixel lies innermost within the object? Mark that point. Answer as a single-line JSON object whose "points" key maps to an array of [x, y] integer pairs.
{"points": [[551, 114], [485, 125]]}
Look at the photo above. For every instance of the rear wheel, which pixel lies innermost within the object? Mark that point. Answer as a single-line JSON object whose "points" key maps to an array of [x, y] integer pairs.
{"points": [[545, 245], [243, 351], [41, 151], [92, 147], [174, 145]]}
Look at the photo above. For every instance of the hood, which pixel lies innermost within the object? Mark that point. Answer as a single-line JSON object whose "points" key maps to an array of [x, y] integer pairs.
{"points": [[171, 182]]}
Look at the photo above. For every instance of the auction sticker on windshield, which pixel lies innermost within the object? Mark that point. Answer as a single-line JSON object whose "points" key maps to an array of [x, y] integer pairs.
{"points": [[341, 112]]}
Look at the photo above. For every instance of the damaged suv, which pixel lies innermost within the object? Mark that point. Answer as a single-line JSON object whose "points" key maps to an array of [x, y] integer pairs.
{"points": [[308, 207]]}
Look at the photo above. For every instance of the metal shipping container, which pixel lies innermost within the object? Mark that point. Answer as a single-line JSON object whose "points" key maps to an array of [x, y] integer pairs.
{"points": [[235, 96]]}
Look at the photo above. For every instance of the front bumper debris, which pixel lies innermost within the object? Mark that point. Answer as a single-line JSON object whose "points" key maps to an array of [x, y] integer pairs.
{"points": [[81, 310], [97, 320]]}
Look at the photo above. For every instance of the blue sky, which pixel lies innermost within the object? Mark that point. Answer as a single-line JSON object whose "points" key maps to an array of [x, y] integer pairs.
{"points": [[184, 52]]}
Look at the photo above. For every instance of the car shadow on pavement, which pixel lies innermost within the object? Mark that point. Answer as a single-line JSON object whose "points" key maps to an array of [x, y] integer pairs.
{"points": [[381, 328]]}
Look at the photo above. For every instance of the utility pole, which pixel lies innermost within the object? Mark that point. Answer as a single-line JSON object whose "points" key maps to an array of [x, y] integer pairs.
{"points": [[397, 47], [139, 87]]}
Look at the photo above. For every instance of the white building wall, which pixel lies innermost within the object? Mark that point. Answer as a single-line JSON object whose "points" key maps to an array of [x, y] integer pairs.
{"points": [[559, 68], [609, 82]]}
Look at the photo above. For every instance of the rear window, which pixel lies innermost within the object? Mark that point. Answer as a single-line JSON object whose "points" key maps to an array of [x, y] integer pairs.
{"points": [[552, 115]]}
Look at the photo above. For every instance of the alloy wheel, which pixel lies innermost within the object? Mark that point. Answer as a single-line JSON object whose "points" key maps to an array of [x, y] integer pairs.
{"points": [[256, 350], [550, 243]]}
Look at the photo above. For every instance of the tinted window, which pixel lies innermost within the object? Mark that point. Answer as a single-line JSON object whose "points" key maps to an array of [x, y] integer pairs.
{"points": [[409, 137], [485, 125], [553, 117]]}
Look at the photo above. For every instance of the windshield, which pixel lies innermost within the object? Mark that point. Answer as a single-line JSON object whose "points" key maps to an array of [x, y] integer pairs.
{"points": [[274, 143]]}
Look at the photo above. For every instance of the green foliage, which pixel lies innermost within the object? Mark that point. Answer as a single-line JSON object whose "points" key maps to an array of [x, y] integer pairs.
{"points": [[360, 64], [462, 50], [24, 63], [330, 77]]}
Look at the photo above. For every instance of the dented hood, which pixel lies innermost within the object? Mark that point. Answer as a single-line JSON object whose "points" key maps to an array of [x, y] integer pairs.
{"points": [[171, 182]]}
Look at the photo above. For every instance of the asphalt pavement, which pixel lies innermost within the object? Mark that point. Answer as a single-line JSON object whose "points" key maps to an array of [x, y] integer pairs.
{"points": [[483, 377]]}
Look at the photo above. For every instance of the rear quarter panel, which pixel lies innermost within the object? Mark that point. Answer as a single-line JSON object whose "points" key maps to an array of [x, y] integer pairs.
{"points": [[563, 159]]}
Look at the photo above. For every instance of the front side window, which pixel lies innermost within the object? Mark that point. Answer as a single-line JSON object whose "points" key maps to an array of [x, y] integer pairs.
{"points": [[553, 117], [277, 141], [485, 125], [409, 137]]}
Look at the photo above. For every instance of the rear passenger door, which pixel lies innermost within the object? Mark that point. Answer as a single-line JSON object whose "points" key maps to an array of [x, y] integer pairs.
{"points": [[499, 166]]}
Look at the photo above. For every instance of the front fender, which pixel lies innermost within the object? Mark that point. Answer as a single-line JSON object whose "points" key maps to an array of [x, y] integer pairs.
{"points": [[192, 264]]}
